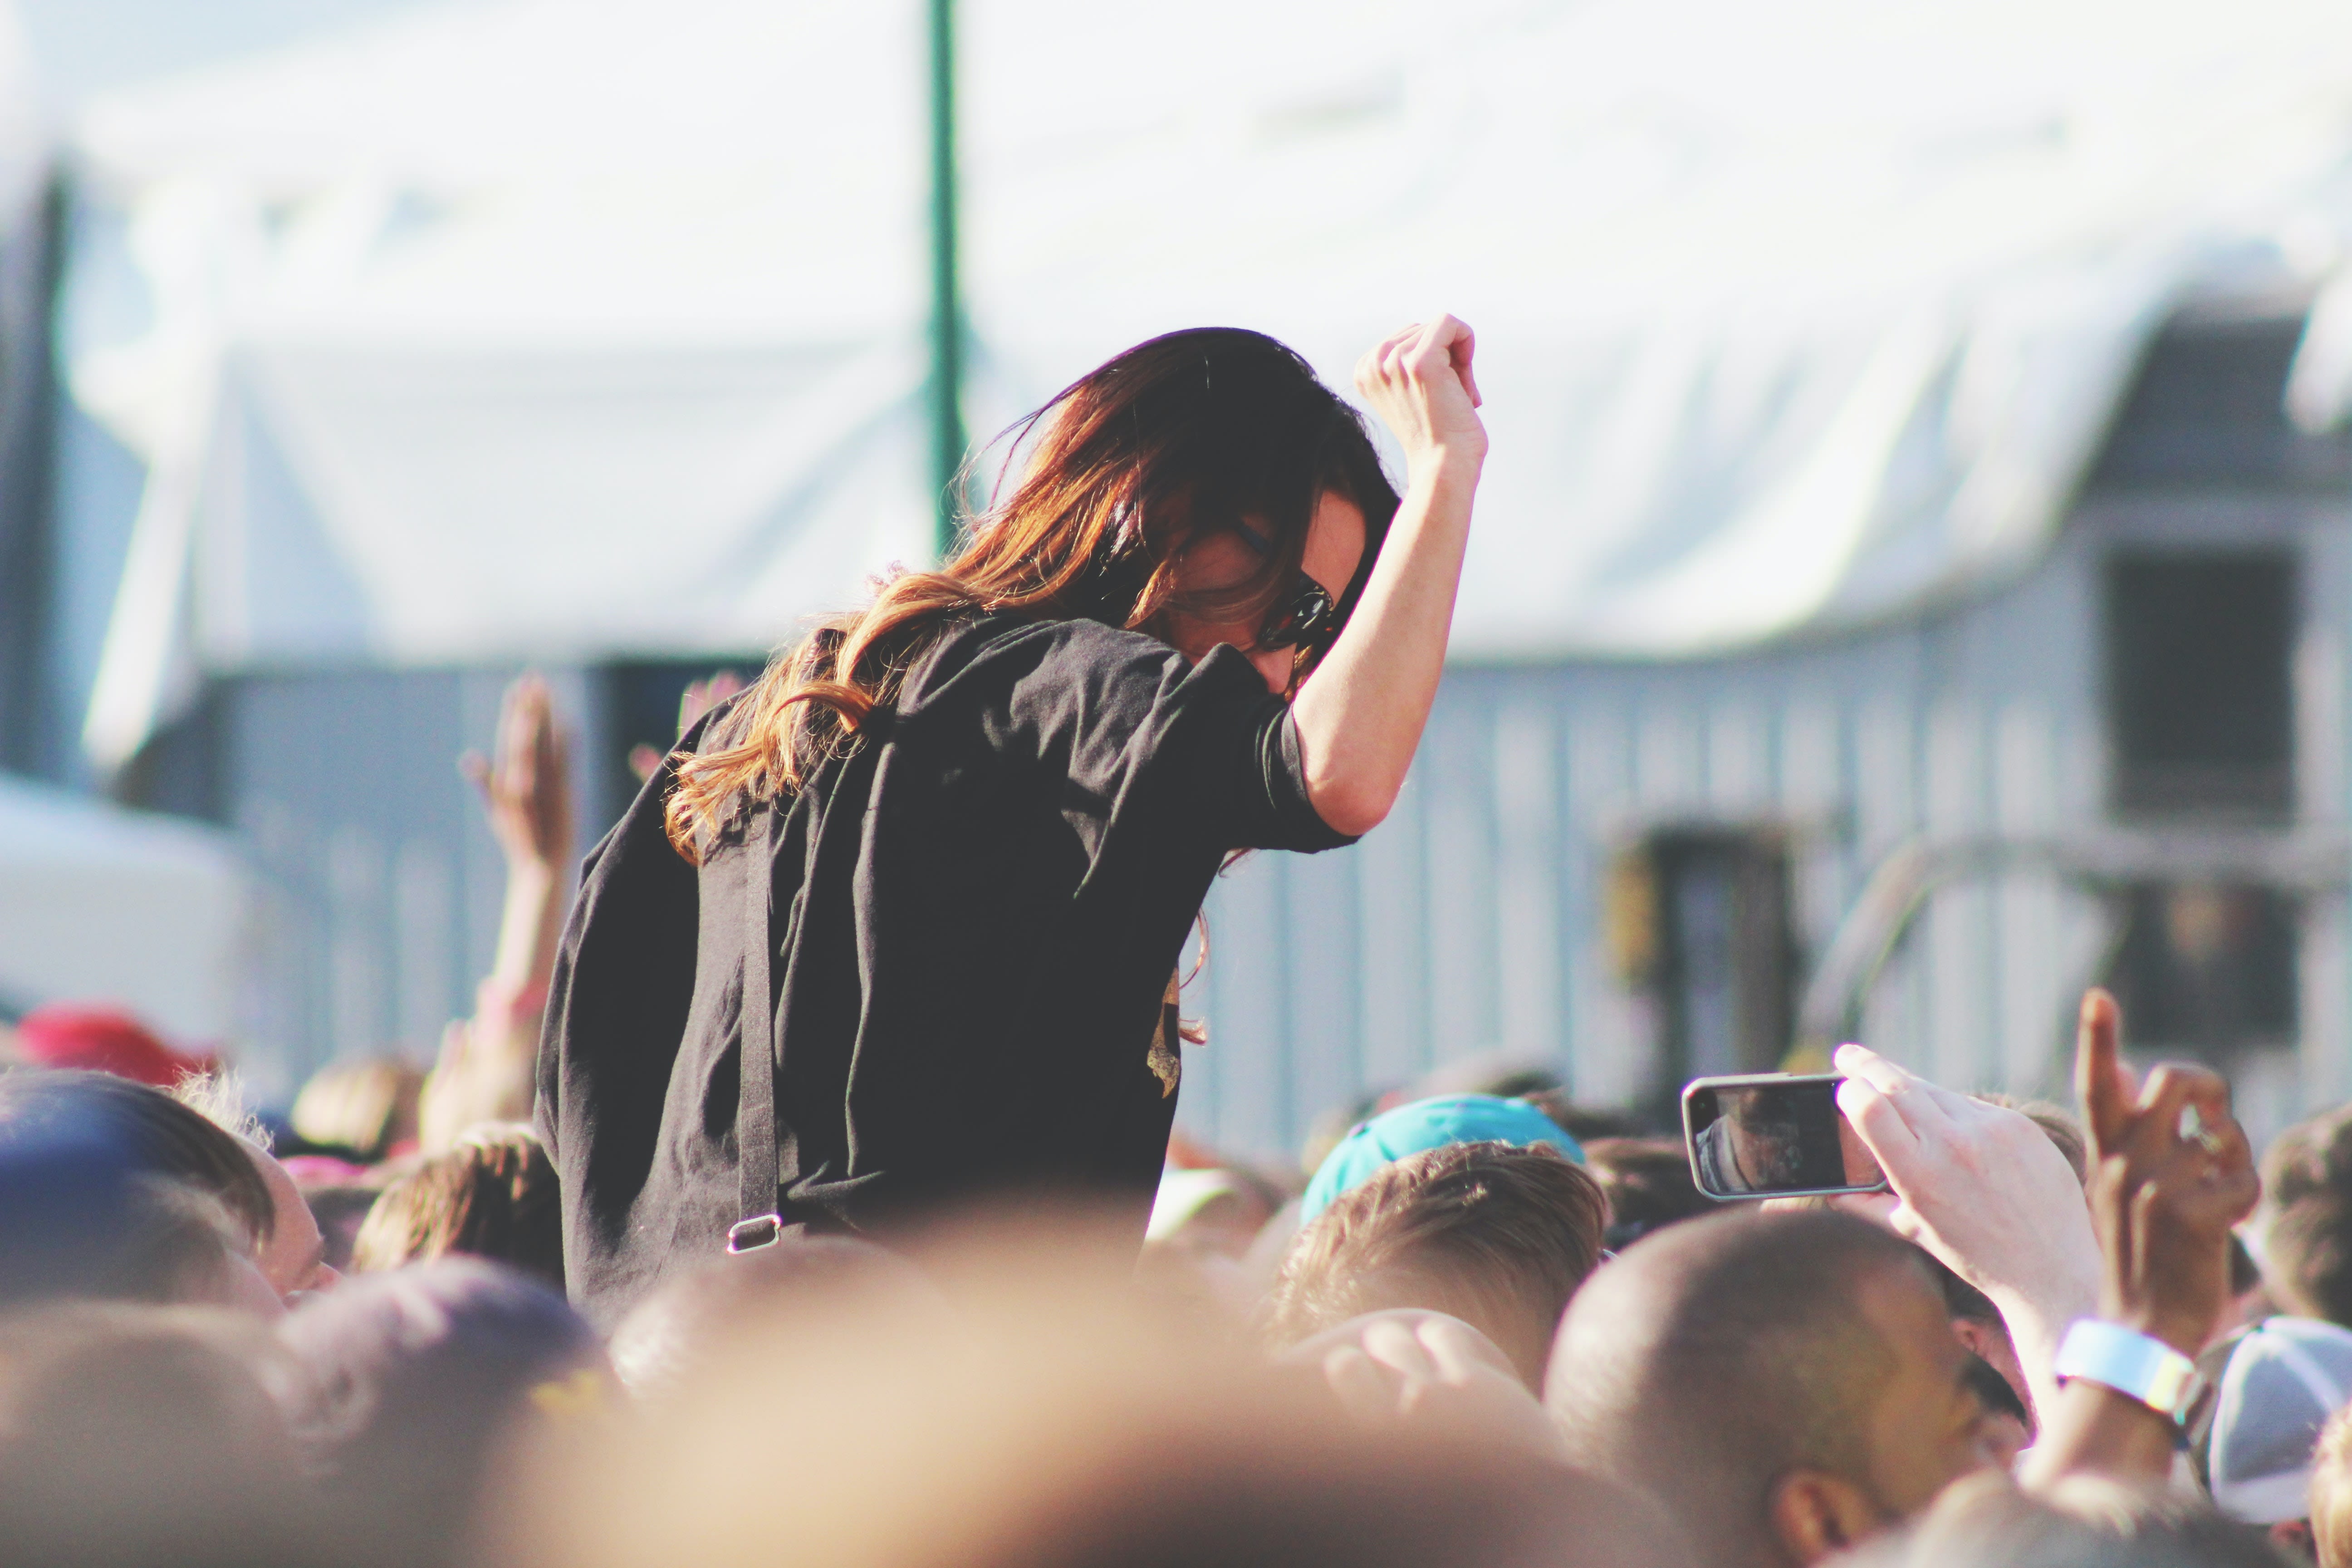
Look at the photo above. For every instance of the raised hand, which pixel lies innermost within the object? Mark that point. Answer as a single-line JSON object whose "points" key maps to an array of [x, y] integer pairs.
{"points": [[2170, 1174], [1362, 711], [700, 698], [1419, 381], [484, 1072], [527, 792], [1983, 1188], [1411, 1369]]}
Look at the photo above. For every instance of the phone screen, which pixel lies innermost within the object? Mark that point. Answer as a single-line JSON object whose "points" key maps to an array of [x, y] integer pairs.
{"points": [[1769, 1137]]}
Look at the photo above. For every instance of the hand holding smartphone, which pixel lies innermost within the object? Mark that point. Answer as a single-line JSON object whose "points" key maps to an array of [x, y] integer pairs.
{"points": [[1774, 1135]]}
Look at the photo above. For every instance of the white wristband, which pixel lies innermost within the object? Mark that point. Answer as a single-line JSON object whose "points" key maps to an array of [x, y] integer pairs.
{"points": [[2132, 1364]]}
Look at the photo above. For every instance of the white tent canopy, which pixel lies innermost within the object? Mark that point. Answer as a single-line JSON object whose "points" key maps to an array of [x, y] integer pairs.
{"points": [[103, 905], [549, 329]]}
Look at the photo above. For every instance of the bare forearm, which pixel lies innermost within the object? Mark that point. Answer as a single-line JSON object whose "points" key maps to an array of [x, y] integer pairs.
{"points": [[2089, 1429], [529, 927], [1361, 713], [2038, 1319], [484, 1073]]}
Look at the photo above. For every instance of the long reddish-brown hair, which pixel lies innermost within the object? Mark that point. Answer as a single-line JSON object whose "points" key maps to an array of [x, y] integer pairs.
{"points": [[1176, 440]]}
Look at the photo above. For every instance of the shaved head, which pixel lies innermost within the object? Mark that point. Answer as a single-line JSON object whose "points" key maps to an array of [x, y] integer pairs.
{"points": [[1720, 1356]]}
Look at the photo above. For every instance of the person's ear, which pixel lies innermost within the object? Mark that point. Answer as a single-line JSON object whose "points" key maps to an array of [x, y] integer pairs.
{"points": [[1980, 1340], [1816, 1515], [1990, 1343]]}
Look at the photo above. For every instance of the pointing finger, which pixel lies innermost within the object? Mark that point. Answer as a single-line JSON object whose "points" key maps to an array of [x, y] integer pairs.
{"points": [[2098, 1081]]}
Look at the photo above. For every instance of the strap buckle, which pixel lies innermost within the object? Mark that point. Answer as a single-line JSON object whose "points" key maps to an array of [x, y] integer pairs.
{"points": [[751, 1235]]}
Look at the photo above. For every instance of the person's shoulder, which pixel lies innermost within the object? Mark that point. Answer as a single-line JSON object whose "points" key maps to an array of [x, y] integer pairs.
{"points": [[993, 652], [1079, 638]]}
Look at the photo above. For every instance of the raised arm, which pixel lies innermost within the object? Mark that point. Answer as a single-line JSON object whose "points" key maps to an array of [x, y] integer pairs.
{"points": [[486, 1064], [1361, 713], [1983, 1189], [2171, 1173], [527, 795]]}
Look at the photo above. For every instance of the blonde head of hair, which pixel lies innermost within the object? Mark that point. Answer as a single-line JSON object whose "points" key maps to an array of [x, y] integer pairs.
{"points": [[367, 1105], [2330, 1499]]}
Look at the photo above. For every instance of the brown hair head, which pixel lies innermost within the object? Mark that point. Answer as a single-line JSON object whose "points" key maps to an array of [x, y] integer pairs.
{"points": [[1496, 1235], [1176, 438], [493, 1195], [1648, 1184], [2312, 1157], [155, 1134]]}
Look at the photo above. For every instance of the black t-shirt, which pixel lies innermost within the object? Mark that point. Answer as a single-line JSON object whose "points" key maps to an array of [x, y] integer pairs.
{"points": [[977, 912]]}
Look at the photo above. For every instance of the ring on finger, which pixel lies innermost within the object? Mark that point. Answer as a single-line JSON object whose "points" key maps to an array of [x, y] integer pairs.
{"points": [[2194, 1131]]}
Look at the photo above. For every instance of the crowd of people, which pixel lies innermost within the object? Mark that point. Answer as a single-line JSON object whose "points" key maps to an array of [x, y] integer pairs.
{"points": [[1477, 1323], [409, 1324]]}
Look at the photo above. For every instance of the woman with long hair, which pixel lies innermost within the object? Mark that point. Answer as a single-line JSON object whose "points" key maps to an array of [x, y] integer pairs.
{"points": [[939, 864]]}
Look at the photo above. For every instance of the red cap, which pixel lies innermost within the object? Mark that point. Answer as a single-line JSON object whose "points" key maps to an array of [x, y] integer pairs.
{"points": [[103, 1039]]}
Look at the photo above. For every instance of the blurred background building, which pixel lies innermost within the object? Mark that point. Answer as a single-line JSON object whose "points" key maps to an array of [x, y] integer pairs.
{"points": [[1911, 580]]}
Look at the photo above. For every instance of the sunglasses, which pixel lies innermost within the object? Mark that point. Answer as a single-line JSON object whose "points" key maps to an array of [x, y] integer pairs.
{"points": [[1306, 618]]}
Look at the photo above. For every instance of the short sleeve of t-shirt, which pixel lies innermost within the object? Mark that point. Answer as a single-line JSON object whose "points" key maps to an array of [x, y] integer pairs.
{"points": [[1129, 724], [1236, 748]]}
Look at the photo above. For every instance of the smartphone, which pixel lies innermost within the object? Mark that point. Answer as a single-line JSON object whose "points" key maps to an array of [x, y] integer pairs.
{"points": [[1774, 1135]]}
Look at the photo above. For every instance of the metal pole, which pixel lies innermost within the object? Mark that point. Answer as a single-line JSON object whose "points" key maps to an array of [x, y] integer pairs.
{"points": [[946, 391]]}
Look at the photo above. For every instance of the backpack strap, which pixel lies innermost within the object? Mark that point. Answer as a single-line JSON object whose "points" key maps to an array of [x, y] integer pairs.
{"points": [[761, 1224]]}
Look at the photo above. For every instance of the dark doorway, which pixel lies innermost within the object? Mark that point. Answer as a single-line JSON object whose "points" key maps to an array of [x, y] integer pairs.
{"points": [[2206, 970], [2199, 697], [1716, 948]]}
